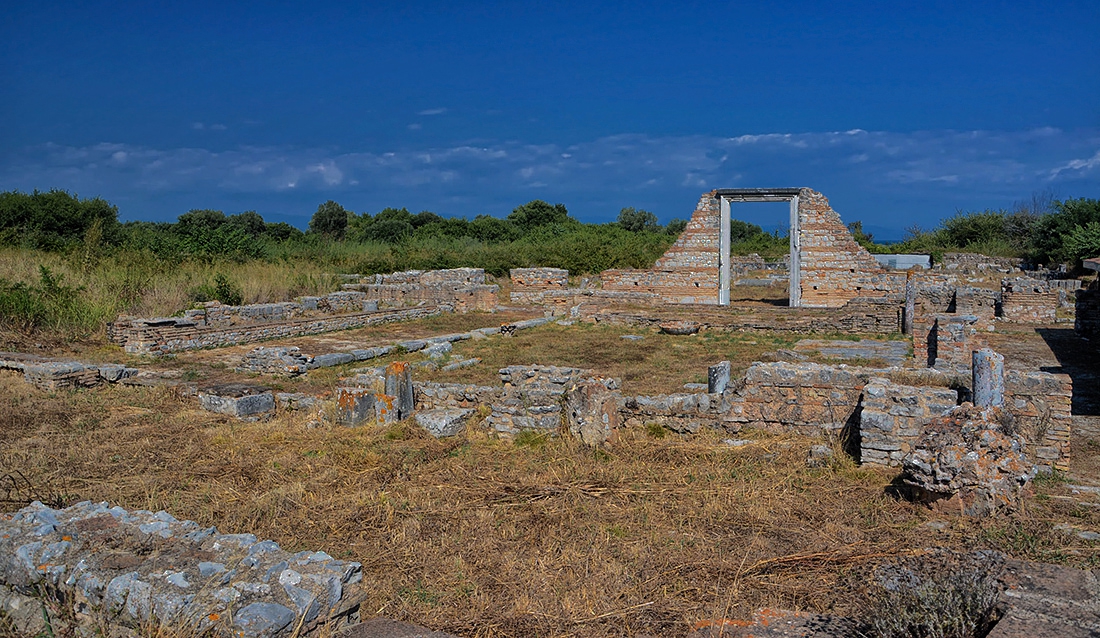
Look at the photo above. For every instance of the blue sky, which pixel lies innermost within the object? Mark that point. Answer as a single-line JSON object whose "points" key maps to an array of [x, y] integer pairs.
{"points": [[900, 112]]}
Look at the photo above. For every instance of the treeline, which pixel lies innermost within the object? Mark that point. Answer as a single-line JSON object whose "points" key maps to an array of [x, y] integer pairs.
{"points": [[1061, 232], [535, 233]]}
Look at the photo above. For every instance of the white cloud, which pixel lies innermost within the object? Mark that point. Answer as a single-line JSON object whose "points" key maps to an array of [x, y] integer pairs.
{"points": [[923, 164], [435, 111], [1081, 165]]}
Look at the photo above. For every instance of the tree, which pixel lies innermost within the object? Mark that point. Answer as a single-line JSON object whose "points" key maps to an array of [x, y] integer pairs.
{"points": [[425, 217], [493, 229], [55, 219], [1051, 231], [865, 239], [743, 231], [331, 220], [249, 222], [676, 226], [637, 221], [538, 213]]}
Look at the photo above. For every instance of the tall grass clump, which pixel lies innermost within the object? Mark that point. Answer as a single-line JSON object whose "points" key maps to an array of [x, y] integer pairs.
{"points": [[48, 305]]}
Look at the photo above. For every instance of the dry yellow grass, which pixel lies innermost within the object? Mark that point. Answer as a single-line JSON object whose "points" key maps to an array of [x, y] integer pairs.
{"points": [[484, 537]]}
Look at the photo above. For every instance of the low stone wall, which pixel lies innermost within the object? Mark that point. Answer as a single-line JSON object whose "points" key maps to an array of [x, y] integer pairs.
{"points": [[892, 418], [143, 569], [1025, 300], [463, 288], [1040, 404], [975, 263], [50, 374], [946, 340], [164, 335], [808, 398]]}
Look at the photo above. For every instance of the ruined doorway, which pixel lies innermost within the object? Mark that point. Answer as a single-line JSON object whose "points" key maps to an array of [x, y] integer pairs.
{"points": [[728, 196]]}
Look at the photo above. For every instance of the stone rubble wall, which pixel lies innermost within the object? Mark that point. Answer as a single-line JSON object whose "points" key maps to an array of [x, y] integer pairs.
{"points": [[808, 398], [973, 263], [165, 335], [885, 417], [948, 342], [138, 568], [892, 418], [1087, 320]]}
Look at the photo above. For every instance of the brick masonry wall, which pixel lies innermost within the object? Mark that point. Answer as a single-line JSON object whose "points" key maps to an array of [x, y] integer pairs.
{"points": [[834, 268], [858, 317], [1040, 404], [688, 271], [1025, 300]]}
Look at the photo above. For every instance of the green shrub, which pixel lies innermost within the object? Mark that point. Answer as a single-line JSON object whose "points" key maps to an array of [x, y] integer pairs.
{"points": [[952, 600], [48, 305]]}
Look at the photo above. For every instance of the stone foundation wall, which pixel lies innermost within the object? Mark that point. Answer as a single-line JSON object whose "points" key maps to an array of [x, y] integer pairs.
{"points": [[1040, 404], [161, 336], [52, 374], [1026, 300], [946, 340]]}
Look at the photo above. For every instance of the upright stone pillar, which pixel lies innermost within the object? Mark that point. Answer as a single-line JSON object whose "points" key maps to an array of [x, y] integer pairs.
{"points": [[718, 377], [399, 385], [988, 378], [910, 304]]}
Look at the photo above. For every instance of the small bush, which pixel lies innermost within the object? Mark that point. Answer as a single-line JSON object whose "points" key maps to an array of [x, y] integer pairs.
{"points": [[222, 290], [956, 599]]}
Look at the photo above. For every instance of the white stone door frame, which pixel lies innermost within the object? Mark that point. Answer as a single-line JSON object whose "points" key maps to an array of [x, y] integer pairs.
{"points": [[740, 195]]}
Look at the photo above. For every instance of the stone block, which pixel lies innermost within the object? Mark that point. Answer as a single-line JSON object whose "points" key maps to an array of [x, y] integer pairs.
{"points": [[399, 385], [443, 421], [237, 399], [332, 359], [355, 405]]}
